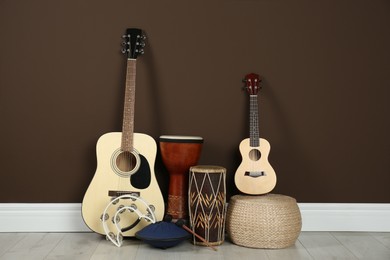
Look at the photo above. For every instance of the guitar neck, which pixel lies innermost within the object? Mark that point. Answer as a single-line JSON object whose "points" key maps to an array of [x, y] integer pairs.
{"points": [[128, 111], [253, 121]]}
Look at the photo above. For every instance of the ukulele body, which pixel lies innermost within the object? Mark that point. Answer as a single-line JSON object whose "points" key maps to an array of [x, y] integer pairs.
{"points": [[255, 174]]}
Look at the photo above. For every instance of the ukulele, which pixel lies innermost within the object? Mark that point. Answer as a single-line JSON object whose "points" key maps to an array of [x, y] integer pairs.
{"points": [[255, 175], [125, 161]]}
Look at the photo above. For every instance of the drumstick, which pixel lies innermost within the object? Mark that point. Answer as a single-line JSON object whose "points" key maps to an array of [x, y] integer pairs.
{"points": [[180, 223]]}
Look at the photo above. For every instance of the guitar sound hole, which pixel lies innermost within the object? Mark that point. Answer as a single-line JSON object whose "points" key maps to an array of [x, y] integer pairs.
{"points": [[126, 161], [254, 155]]}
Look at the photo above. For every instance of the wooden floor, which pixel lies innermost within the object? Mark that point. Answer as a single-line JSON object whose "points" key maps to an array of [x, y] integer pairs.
{"points": [[310, 245]]}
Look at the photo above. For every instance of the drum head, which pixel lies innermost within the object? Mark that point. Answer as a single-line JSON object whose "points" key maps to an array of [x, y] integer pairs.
{"points": [[181, 139], [207, 169]]}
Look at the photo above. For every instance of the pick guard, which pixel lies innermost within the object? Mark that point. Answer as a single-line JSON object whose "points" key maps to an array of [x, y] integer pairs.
{"points": [[141, 179]]}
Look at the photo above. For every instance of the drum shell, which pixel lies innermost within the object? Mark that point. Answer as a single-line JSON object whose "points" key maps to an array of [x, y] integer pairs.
{"points": [[207, 203], [178, 154]]}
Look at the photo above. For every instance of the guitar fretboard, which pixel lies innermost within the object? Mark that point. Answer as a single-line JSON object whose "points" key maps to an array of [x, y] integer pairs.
{"points": [[253, 121], [128, 111]]}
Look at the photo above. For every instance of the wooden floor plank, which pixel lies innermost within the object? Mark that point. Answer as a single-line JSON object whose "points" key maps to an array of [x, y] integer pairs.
{"points": [[295, 252], [107, 250], [310, 245], [186, 250], [322, 245], [232, 251], [75, 246], [8, 240], [33, 246], [363, 245], [384, 238], [147, 252]]}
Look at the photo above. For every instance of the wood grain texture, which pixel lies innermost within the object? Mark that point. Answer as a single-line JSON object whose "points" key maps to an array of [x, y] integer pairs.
{"points": [[310, 245]]}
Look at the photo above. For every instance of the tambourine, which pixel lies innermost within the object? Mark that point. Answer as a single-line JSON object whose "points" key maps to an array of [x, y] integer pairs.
{"points": [[148, 216]]}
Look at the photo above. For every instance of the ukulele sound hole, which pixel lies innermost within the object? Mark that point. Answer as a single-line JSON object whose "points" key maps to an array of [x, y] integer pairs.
{"points": [[254, 155], [125, 163]]}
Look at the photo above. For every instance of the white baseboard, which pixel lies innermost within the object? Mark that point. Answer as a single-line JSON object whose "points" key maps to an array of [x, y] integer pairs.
{"points": [[66, 217], [41, 217], [345, 217]]}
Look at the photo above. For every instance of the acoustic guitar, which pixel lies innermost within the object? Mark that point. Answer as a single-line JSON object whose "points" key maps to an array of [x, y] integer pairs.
{"points": [[125, 160], [255, 174]]}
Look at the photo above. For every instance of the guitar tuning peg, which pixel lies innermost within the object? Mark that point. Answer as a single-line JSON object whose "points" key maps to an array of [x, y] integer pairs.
{"points": [[124, 50]]}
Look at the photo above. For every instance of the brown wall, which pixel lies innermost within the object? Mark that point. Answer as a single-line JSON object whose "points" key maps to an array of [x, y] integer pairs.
{"points": [[324, 105]]}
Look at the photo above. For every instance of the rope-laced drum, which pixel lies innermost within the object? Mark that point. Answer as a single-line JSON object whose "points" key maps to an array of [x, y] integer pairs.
{"points": [[207, 203]]}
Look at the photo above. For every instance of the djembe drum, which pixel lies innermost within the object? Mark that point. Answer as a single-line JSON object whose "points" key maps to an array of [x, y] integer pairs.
{"points": [[178, 154], [207, 203]]}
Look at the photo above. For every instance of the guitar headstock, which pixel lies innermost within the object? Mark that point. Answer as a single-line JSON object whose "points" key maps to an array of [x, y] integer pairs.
{"points": [[134, 43], [252, 83]]}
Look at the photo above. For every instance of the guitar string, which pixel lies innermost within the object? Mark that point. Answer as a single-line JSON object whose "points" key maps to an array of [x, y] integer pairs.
{"points": [[132, 101]]}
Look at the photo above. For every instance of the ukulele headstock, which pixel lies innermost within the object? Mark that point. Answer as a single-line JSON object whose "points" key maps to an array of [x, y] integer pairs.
{"points": [[133, 43], [252, 83]]}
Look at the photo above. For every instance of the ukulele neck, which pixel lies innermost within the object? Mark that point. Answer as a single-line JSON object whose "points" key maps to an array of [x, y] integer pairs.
{"points": [[253, 121]]}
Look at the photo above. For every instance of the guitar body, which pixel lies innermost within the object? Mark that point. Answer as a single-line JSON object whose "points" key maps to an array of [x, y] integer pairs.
{"points": [[255, 174], [109, 182], [123, 196]]}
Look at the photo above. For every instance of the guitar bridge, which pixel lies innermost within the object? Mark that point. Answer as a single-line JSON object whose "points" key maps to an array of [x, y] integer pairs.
{"points": [[255, 174], [117, 193]]}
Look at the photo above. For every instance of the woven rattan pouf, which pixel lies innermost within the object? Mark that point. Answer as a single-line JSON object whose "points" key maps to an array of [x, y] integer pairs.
{"points": [[265, 221]]}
